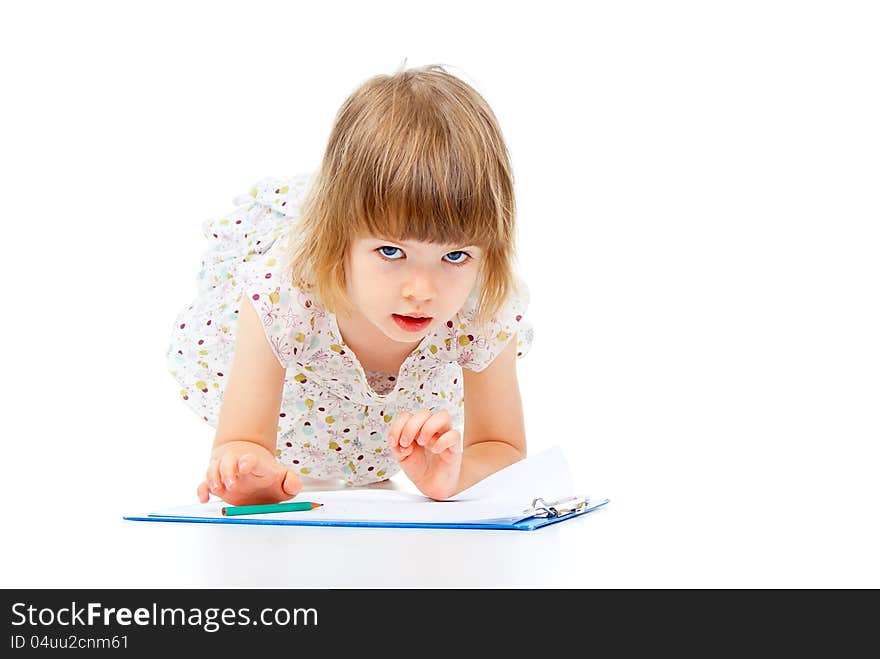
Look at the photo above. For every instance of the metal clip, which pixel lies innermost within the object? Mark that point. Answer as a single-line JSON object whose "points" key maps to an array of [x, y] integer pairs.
{"points": [[559, 508]]}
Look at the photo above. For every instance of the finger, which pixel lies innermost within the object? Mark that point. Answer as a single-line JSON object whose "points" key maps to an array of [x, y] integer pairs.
{"points": [[396, 426], [202, 492], [411, 428], [212, 475], [450, 440], [437, 424], [215, 484], [401, 454], [228, 468], [292, 484], [246, 464], [264, 465]]}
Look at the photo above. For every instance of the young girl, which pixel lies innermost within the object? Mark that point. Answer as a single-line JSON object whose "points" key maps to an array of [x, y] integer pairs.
{"points": [[372, 308]]}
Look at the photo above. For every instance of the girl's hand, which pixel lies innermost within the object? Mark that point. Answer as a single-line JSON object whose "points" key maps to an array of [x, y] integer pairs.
{"points": [[428, 450], [244, 473]]}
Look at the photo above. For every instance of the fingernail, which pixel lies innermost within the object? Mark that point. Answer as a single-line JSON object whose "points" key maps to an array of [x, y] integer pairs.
{"points": [[213, 485], [420, 440]]}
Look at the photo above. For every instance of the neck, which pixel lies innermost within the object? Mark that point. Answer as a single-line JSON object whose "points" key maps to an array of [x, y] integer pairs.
{"points": [[374, 350]]}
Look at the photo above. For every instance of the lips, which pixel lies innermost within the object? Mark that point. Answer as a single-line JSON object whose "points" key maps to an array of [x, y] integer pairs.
{"points": [[411, 323]]}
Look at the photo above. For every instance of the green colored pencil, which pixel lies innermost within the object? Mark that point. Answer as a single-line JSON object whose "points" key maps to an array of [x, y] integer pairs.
{"points": [[269, 508]]}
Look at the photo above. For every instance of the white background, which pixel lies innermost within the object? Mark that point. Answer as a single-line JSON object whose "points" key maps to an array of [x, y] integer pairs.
{"points": [[697, 188]]}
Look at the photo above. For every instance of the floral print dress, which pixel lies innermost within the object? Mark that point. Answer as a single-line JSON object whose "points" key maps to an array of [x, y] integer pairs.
{"points": [[334, 416]]}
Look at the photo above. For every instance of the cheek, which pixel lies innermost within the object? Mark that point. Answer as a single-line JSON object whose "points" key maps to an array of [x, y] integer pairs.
{"points": [[372, 283], [358, 274], [465, 281], [457, 289]]}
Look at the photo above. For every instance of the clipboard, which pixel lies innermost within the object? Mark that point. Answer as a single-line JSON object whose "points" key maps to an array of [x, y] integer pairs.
{"points": [[503, 500], [538, 514]]}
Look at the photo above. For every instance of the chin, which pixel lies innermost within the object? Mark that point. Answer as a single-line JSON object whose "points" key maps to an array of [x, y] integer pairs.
{"points": [[402, 336], [409, 337]]}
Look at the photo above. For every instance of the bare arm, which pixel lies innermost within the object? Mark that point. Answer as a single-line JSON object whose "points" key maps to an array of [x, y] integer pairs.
{"points": [[494, 426], [432, 453], [243, 469], [252, 398]]}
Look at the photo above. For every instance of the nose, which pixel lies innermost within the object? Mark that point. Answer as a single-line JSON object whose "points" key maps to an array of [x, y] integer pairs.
{"points": [[419, 287]]}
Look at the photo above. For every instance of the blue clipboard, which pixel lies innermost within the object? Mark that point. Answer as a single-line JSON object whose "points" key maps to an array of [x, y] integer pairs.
{"points": [[544, 514]]}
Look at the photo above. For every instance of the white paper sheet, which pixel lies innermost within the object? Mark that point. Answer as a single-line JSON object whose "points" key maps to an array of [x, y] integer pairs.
{"points": [[506, 494]]}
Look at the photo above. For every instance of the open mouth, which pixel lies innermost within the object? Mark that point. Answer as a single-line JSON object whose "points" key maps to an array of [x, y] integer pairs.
{"points": [[410, 323]]}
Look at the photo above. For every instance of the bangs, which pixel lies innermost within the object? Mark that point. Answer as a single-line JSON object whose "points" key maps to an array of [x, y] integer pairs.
{"points": [[416, 156], [421, 162], [423, 208]]}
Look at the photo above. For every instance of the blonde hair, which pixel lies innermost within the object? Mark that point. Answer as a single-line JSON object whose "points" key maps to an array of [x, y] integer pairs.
{"points": [[415, 155]]}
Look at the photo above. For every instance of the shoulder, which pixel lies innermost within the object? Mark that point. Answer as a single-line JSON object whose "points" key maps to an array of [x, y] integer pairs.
{"points": [[287, 312], [264, 206], [474, 347], [283, 195]]}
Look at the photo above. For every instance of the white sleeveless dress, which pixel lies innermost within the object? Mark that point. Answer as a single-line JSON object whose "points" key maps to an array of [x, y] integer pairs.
{"points": [[334, 416]]}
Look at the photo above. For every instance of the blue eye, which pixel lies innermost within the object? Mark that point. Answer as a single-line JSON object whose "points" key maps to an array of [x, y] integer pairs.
{"points": [[457, 257], [463, 256], [388, 256]]}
